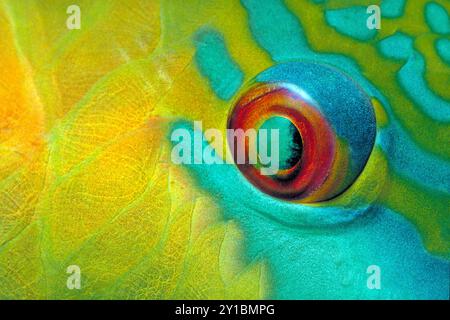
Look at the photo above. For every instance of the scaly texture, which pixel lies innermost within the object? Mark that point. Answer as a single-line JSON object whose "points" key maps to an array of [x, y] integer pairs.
{"points": [[85, 171]]}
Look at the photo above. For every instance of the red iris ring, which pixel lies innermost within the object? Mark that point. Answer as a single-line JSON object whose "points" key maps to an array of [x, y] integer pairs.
{"points": [[319, 141]]}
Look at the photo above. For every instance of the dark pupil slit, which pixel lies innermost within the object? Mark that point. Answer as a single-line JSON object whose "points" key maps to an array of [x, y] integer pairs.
{"points": [[296, 146]]}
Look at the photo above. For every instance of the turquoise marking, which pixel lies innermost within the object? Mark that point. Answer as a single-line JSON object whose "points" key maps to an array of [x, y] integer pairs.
{"points": [[443, 49], [308, 238], [343, 255], [276, 29], [398, 46], [409, 160], [216, 64], [351, 22], [392, 8], [286, 40], [404, 155], [411, 76], [342, 242], [292, 214], [437, 18]]}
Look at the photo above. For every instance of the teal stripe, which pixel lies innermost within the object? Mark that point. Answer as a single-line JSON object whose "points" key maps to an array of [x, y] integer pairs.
{"points": [[276, 29], [411, 76], [299, 240], [392, 8], [443, 49], [408, 159], [351, 22], [216, 64], [437, 18]]}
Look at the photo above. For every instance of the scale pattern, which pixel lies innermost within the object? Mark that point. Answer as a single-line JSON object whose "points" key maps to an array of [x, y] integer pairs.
{"points": [[85, 171]]}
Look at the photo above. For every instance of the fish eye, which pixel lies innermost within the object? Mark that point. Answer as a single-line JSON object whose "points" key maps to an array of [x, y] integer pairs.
{"points": [[326, 130]]}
